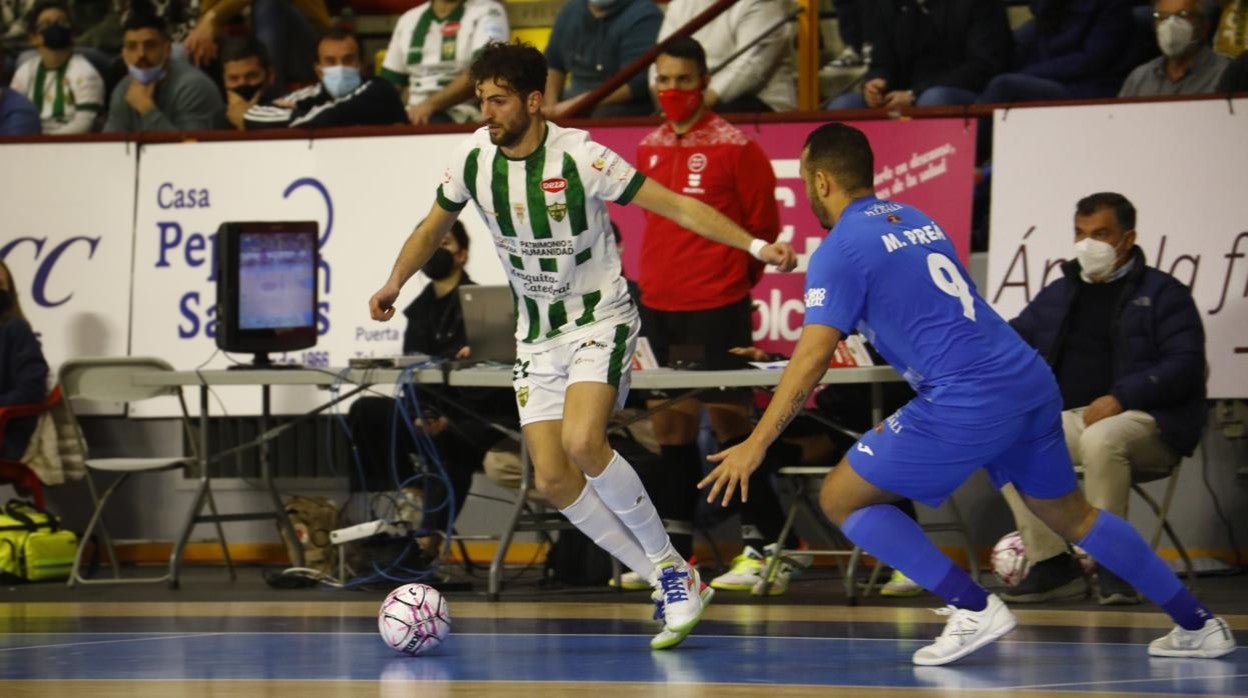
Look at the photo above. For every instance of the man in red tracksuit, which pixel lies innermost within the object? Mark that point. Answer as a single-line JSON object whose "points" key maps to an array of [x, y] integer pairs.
{"points": [[695, 294]]}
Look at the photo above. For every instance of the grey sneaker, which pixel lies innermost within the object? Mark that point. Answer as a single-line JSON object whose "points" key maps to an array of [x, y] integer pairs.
{"points": [[1114, 591], [1212, 640]]}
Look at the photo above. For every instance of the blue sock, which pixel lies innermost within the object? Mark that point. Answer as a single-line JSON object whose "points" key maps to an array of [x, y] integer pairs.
{"points": [[887, 533], [1112, 542]]}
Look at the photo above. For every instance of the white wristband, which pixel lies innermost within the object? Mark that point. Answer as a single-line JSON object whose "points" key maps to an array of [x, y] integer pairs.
{"points": [[756, 249]]}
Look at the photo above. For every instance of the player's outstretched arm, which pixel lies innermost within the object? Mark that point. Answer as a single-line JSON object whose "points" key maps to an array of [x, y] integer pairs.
{"points": [[809, 362], [417, 250], [694, 215]]}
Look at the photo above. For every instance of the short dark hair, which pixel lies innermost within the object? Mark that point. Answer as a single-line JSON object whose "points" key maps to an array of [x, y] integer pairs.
{"points": [[32, 17], [336, 34], [518, 64], [843, 152], [239, 48], [688, 48], [461, 235], [143, 17], [1124, 211]]}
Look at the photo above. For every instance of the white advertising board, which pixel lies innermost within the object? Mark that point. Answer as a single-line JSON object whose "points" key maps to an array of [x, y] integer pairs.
{"points": [[1180, 163]]}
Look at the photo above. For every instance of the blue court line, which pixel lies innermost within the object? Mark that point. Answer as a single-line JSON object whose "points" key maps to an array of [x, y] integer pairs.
{"points": [[703, 659]]}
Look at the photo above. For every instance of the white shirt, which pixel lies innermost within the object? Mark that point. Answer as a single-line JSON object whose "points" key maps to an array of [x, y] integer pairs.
{"points": [[68, 99], [548, 216]]}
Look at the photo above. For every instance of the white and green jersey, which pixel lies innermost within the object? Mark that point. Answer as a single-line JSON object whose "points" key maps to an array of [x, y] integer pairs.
{"points": [[548, 216], [426, 52], [68, 98]]}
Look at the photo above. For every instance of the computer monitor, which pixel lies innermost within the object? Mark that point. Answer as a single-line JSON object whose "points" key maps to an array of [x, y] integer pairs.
{"points": [[267, 287]]}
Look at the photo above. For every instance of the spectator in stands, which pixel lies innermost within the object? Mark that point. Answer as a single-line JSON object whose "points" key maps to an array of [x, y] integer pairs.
{"points": [[1187, 66], [857, 52], [1126, 343], [104, 35], [429, 53], [23, 370], [342, 97], [159, 94], [696, 293], [1071, 50], [1235, 77], [763, 77], [435, 326], [287, 28], [930, 52], [247, 78], [66, 89], [18, 117], [591, 41]]}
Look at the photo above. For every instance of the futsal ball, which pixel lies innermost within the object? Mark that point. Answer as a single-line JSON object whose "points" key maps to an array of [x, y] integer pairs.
{"points": [[414, 619], [1009, 559]]}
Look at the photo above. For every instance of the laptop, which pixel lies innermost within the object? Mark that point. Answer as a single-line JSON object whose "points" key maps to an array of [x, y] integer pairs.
{"points": [[488, 322]]}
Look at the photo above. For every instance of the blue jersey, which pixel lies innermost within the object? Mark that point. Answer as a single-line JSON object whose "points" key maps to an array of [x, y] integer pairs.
{"points": [[888, 271]]}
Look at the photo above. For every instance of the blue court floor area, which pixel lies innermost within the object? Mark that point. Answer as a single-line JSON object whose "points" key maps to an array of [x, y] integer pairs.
{"points": [[519, 648]]}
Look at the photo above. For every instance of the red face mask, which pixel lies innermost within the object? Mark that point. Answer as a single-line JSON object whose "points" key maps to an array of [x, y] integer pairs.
{"points": [[679, 105]]}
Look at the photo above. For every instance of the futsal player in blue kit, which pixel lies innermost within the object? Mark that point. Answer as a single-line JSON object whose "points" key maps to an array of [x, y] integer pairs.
{"points": [[985, 400]]}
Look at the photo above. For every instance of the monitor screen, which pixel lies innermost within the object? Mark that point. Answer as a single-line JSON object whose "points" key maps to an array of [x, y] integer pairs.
{"points": [[276, 279]]}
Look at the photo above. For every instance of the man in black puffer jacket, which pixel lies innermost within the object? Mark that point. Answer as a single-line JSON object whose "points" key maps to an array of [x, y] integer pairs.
{"points": [[1126, 343]]}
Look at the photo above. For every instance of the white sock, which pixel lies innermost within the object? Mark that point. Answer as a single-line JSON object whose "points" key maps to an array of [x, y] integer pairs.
{"points": [[594, 519], [621, 490]]}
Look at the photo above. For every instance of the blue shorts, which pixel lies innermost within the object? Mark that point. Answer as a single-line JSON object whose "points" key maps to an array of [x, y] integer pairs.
{"points": [[923, 453]]}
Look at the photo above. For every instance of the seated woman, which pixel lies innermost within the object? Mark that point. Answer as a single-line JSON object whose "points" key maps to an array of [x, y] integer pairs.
{"points": [[23, 370]]}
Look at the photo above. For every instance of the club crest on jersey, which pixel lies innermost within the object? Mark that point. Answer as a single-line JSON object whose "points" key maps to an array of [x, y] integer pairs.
{"points": [[557, 212], [599, 164], [522, 395], [893, 218], [554, 185], [697, 162], [518, 209]]}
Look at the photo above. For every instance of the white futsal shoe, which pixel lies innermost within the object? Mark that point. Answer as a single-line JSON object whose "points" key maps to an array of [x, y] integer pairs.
{"points": [[966, 631], [684, 598], [1213, 640]]}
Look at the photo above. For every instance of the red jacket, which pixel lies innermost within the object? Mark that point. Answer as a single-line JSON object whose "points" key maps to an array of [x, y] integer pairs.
{"points": [[719, 165]]}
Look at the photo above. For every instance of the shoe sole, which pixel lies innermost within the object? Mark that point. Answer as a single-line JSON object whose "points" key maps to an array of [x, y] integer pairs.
{"points": [[723, 586], [982, 642], [1118, 600], [670, 637], [1073, 589], [1192, 654]]}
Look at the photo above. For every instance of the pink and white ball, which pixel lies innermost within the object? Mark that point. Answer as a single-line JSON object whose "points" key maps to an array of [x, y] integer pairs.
{"points": [[414, 619], [1011, 564]]}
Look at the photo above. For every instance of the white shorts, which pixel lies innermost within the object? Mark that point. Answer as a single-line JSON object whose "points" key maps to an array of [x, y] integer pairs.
{"points": [[540, 378]]}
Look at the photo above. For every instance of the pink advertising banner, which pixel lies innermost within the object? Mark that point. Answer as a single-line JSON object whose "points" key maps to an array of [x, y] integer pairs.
{"points": [[925, 163]]}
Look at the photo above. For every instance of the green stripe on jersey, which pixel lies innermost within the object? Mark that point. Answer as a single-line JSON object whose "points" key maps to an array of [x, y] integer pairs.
{"points": [[502, 195], [448, 205], [575, 196], [558, 315], [397, 79], [631, 190], [550, 264], [590, 301], [516, 262], [584, 255], [616, 365], [533, 166], [535, 321], [470, 172]]}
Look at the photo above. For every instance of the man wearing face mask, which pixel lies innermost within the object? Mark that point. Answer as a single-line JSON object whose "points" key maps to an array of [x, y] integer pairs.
{"points": [[66, 89], [435, 326], [1188, 65], [1126, 343], [159, 94], [342, 97], [697, 292], [247, 78]]}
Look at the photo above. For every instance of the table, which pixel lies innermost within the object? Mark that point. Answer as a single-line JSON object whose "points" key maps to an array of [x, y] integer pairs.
{"points": [[499, 376]]}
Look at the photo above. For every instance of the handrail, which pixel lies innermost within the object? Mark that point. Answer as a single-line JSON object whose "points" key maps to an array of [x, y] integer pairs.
{"points": [[591, 99], [753, 42], [866, 114]]}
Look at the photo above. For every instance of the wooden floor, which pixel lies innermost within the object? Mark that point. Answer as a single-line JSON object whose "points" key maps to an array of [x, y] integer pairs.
{"points": [[567, 647]]}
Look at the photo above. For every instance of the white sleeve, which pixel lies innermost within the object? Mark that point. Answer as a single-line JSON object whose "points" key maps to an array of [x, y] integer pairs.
{"points": [[749, 72], [605, 174], [21, 79], [453, 191], [400, 40], [492, 26]]}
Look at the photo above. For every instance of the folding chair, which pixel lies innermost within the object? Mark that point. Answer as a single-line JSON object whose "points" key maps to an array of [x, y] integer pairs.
{"points": [[111, 380], [1162, 510]]}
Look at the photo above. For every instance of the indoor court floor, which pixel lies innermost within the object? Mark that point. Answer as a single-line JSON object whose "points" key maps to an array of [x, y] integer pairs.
{"points": [[149, 641]]}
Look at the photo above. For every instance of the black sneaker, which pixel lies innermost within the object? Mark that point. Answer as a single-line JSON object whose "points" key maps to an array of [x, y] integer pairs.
{"points": [[1114, 591], [1058, 577]]}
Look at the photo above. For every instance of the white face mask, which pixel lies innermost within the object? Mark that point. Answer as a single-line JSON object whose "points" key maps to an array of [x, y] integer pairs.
{"points": [[1096, 258], [1174, 36]]}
